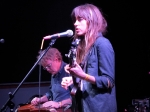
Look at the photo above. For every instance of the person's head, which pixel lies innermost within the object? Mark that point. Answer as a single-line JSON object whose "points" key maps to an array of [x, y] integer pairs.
{"points": [[88, 22], [51, 61]]}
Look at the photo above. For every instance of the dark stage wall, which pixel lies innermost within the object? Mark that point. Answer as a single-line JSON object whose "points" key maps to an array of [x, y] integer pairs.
{"points": [[24, 23]]}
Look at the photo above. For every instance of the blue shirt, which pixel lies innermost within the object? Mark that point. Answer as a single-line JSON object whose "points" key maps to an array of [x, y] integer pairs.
{"points": [[57, 92]]}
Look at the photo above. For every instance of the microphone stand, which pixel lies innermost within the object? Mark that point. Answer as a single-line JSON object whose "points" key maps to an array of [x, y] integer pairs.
{"points": [[9, 103]]}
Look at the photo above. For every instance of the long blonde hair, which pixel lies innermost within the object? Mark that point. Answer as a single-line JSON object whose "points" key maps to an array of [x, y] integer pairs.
{"points": [[96, 23]]}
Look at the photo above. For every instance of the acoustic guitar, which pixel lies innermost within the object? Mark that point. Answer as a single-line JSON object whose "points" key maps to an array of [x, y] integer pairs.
{"points": [[72, 59]]}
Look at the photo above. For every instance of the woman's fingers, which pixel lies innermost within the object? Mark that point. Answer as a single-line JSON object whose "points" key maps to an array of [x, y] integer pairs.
{"points": [[66, 81], [67, 69]]}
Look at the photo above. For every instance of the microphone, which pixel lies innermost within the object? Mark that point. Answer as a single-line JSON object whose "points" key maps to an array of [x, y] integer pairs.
{"points": [[2, 40], [67, 33]]}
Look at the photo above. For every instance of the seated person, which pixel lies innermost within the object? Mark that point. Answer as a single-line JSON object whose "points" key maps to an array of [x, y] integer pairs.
{"points": [[57, 96]]}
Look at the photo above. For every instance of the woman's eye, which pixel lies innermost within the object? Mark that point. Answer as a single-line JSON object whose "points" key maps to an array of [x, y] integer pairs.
{"points": [[80, 19]]}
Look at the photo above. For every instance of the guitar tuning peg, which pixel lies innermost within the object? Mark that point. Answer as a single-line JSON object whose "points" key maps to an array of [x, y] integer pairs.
{"points": [[66, 55]]}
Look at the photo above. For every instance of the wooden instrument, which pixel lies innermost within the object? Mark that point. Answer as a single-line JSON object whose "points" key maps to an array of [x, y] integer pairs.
{"points": [[31, 108], [72, 59]]}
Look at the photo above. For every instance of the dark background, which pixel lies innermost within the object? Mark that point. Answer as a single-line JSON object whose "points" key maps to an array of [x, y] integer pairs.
{"points": [[24, 23]]}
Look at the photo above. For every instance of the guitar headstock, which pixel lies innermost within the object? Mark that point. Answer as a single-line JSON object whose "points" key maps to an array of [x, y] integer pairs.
{"points": [[72, 52]]}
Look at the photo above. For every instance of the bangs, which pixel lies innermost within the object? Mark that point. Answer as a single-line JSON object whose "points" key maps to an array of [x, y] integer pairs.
{"points": [[79, 12]]}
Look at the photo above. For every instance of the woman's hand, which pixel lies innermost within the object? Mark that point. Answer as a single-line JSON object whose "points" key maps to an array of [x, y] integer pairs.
{"points": [[66, 81], [75, 71], [67, 68]]}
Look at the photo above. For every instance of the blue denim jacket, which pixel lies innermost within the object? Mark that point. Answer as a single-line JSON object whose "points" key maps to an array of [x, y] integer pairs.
{"points": [[100, 64]]}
